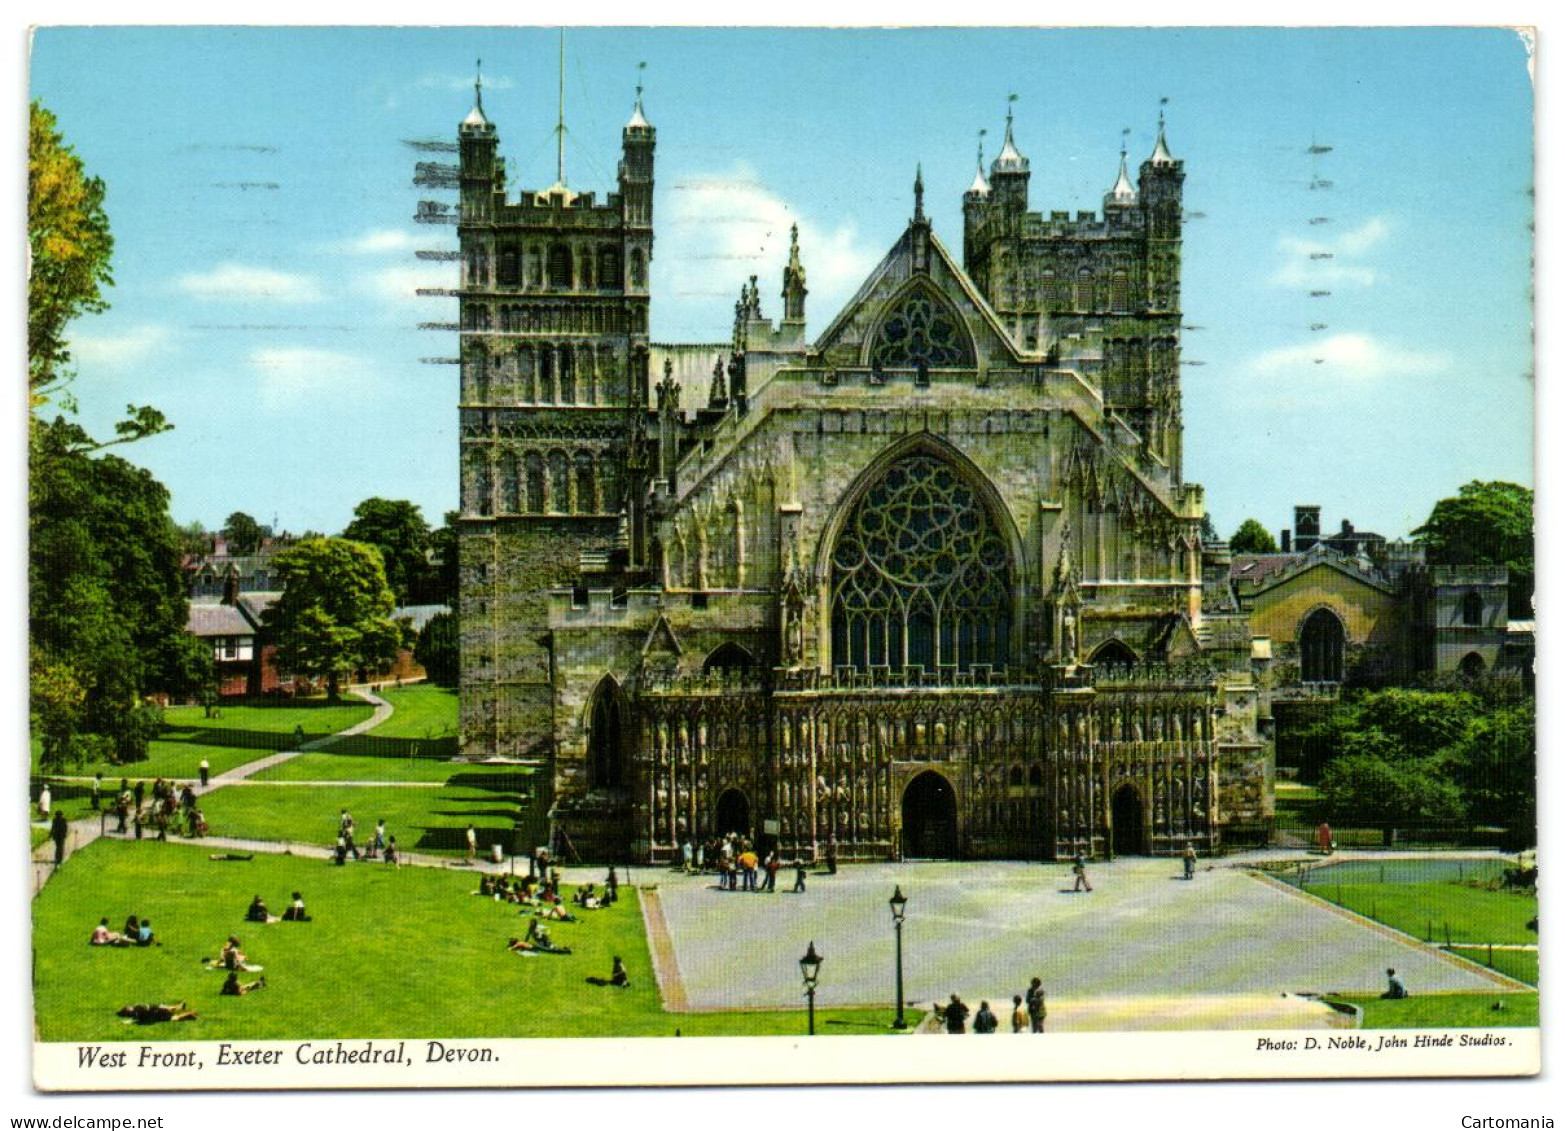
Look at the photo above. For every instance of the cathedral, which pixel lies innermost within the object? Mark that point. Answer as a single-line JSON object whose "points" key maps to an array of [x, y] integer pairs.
{"points": [[927, 582]]}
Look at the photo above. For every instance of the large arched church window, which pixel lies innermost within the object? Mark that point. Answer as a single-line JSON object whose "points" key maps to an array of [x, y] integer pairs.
{"points": [[920, 574], [921, 329], [605, 754], [1320, 648]]}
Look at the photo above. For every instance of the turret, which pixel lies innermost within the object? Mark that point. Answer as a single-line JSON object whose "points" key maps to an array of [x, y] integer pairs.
{"points": [[1123, 194], [1009, 174], [1162, 189], [794, 290], [638, 140], [477, 143], [975, 205], [668, 427]]}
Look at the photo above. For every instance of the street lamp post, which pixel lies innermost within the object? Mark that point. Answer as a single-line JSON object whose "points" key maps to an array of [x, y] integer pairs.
{"points": [[898, 913], [810, 970]]}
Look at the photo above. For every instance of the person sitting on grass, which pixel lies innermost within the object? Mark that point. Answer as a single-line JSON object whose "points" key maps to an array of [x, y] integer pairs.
{"points": [[233, 987], [232, 957], [102, 936], [152, 1014], [537, 939], [296, 912], [132, 927], [1396, 989], [617, 978], [144, 935], [257, 912], [556, 911], [488, 886]]}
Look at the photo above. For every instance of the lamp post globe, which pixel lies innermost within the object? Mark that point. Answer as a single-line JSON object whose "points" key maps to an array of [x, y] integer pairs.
{"points": [[898, 914], [810, 971]]}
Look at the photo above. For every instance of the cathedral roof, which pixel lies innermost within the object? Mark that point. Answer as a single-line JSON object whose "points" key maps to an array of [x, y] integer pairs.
{"points": [[1122, 192]]}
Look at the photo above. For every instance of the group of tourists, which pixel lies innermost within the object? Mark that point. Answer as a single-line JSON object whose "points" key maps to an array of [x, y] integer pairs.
{"points": [[1028, 1012], [738, 864], [137, 932], [258, 912], [540, 895], [380, 846], [173, 807]]}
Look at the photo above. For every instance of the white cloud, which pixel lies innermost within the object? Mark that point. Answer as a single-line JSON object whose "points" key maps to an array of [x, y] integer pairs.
{"points": [[237, 282], [129, 347], [723, 228], [399, 286], [377, 241], [464, 82], [1323, 262], [1360, 356], [290, 375]]}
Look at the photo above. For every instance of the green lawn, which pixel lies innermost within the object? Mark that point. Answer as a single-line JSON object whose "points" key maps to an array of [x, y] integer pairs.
{"points": [[1519, 964], [422, 820], [412, 745], [325, 765], [1472, 914], [1448, 1011], [392, 953], [240, 733]]}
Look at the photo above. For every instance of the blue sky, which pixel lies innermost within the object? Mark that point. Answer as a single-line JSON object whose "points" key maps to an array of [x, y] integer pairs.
{"points": [[261, 199]]}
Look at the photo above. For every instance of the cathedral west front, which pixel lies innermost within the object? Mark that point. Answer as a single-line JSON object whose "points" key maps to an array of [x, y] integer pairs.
{"points": [[924, 581]]}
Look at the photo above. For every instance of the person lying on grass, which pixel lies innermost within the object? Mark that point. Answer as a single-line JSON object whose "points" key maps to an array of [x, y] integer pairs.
{"points": [[257, 912], [152, 1014], [102, 936], [556, 912], [232, 958], [618, 978], [233, 987], [537, 940], [296, 912]]}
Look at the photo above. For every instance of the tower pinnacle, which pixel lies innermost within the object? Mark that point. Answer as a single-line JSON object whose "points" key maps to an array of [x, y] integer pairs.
{"points": [[1160, 153], [638, 117], [1010, 159], [918, 195], [980, 185], [475, 116]]}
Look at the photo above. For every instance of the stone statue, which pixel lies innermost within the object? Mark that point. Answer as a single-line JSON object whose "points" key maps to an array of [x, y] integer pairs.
{"points": [[1068, 637]]}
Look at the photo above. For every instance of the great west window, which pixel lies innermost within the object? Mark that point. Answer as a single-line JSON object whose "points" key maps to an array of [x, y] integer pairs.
{"points": [[920, 574]]}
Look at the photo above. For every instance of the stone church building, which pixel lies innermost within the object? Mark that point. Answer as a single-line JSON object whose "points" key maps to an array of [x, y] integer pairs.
{"points": [[925, 582]]}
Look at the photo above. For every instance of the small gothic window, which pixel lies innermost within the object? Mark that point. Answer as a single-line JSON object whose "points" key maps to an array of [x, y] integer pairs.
{"points": [[567, 375], [1120, 293], [560, 267], [638, 270], [586, 271], [585, 484], [608, 268], [510, 268], [510, 485], [921, 329], [546, 372], [559, 484], [535, 501], [1084, 289], [1472, 609], [534, 268]]}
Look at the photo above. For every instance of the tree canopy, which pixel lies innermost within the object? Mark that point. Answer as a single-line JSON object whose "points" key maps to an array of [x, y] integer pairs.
{"points": [[68, 237], [1252, 538], [335, 611], [438, 649], [242, 533], [397, 529], [1486, 523]]}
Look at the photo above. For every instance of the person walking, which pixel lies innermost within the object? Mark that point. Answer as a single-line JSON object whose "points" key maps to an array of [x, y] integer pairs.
{"points": [[59, 829], [140, 793], [1080, 868], [1020, 1022], [1037, 1005], [956, 1016], [205, 770], [1189, 861], [798, 874], [984, 1021], [45, 801], [472, 844], [97, 791]]}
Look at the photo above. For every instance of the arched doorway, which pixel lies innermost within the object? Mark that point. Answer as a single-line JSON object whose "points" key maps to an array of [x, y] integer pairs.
{"points": [[1130, 830], [929, 817], [1320, 648], [605, 755], [733, 812]]}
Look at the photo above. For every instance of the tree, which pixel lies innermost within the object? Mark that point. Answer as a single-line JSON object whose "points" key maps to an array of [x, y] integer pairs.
{"points": [[1209, 534], [335, 611], [397, 528], [68, 237], [107, 607], [1487, 523], [438, 649], [1368, 785], [242, 533], [1252, 538], [1495, 765], [444, 549]]}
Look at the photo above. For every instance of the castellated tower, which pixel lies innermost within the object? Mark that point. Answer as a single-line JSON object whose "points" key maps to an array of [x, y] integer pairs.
{"points": [[1098, 294], [553, 325]]}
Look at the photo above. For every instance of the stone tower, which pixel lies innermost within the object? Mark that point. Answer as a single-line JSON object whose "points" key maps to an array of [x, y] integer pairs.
{"points": [[553, 324]]}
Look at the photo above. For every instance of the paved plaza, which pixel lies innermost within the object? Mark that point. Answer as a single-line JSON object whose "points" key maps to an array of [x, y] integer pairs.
{"points": [[1143, 942]]}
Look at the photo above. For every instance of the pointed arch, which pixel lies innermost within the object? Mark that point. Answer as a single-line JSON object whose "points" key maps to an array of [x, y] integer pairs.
{"points": [[728, 656], [919, 325], [1115, 653], [605, 723], [913, 616], [1321, 640]]}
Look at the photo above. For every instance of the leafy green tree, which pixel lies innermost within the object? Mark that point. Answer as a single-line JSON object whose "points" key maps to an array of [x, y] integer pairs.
{"points": [[1209, 534], [446, 585], [68, 236], [438, 649], [335, 611], [1366, 787], [1419, 722], [1494, 764], [242, 533], [1487, 523], [397, 529], [1252, 538]]}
